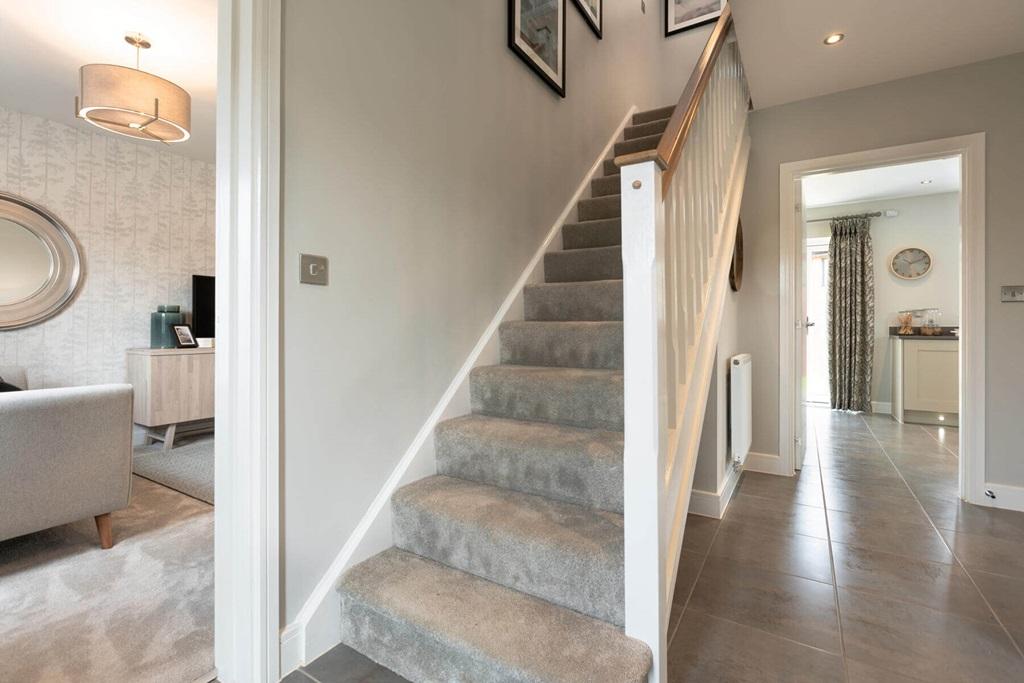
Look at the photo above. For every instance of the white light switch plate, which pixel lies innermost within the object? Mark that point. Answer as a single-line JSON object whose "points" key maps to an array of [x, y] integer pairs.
{"points": [[1013, 293]]}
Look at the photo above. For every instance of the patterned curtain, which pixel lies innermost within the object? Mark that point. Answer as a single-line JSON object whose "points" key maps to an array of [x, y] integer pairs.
{"points": [[851, 314]]}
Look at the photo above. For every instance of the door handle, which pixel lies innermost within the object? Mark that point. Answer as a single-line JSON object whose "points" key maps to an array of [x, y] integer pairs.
{"points": [[809, 323]]}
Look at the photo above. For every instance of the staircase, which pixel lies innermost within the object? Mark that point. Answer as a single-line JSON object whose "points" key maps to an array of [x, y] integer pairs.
{"points": [[508, 564]]}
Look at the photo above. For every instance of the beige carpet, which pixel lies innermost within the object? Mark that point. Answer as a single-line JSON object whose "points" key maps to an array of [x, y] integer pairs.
{"points": [[142, 611]]}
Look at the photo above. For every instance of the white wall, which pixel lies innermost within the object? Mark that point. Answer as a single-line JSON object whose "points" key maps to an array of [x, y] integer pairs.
{"points": [[931, 222], [144, 218], [427, 162], [985, 97], [713, 459]]}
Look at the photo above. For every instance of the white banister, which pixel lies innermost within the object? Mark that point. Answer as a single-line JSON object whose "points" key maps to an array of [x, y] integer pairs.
{"points": [[680, 206]]}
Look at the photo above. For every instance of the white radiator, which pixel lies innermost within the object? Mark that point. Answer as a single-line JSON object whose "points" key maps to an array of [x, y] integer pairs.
{"points": [[740, 407]]}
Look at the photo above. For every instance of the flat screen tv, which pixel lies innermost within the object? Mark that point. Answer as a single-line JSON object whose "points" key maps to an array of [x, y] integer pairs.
{"points": [[203, 305]]}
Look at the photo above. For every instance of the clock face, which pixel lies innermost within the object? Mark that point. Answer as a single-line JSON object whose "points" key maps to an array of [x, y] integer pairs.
{"points": [[911, 263]]}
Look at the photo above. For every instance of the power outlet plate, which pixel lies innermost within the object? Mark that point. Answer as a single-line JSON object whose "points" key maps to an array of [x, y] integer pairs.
{"points": [[313, 269], [1011, 293]]}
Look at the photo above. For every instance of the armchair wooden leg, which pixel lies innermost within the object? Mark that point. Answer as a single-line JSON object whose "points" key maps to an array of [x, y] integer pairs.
{"points": [[105, 527]]}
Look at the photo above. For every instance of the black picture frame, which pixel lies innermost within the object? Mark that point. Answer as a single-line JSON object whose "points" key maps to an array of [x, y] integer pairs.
{"points": [[596, 24], [708, 18], [183, 330], [556, 81]]}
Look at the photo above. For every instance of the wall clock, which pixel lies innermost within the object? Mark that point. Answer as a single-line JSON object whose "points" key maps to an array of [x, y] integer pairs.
{"points": [[910, 263]]}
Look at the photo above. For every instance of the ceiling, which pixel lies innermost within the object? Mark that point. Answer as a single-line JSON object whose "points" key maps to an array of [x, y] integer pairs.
{"points": [[785, 60], [884, 182], [44, 42]]}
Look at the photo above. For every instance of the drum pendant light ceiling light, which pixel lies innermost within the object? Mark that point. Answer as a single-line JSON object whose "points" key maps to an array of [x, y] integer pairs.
{"points": [[133, 102]]}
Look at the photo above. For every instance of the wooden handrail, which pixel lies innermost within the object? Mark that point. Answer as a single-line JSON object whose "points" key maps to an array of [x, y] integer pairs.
{"points": [[670, 147]]}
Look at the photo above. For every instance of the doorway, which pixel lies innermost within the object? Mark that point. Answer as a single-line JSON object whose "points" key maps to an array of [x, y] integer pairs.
{"points": [[803, 228]]}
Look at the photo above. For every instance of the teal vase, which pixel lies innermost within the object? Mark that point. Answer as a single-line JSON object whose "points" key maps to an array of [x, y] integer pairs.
{"points": [[160, 334]]}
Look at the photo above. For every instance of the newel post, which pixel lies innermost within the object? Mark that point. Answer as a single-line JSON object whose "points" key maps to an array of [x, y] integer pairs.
{"points": [[643, 240]]}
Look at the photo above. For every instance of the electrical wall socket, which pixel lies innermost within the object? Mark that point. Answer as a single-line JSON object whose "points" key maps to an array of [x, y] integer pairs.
{"points": [[1012, 293], [313, 269]]}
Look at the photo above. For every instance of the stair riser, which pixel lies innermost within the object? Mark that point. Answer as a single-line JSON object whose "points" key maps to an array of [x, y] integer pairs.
{"points": [[574, 301], [637, 145], [603, 187], [583, 265], [606, 233], [653, 115], [584, 467], [591, 585], [599, 207], [563, 345], [588, 401], [646, 129], [609, 167]]}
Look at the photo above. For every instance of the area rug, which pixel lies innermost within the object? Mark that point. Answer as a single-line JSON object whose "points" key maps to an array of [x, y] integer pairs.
{"points": [[187, 468], [140, 612]]}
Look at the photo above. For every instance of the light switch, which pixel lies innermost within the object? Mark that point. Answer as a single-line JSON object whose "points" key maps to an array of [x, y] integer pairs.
{"points": [[1013, 293], [313, 269]]}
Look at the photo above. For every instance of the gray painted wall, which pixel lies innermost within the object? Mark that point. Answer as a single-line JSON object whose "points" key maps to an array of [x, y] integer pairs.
{"points": [[984, 97], [428, 162]]}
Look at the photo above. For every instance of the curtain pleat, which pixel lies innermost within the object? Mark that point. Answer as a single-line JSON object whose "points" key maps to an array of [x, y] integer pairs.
{"points": [[851, 314]]}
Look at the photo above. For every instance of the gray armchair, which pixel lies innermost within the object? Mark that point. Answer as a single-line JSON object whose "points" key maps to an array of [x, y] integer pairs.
{"points": [[65, 454]]}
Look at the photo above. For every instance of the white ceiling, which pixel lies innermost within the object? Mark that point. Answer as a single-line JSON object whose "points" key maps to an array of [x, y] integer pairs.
{"points": [[43, 42], [781, 41], [884, 182]]}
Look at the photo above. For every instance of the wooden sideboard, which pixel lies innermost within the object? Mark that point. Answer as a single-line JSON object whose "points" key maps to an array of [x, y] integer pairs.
{"points": [[926, 380], [172, 386]]}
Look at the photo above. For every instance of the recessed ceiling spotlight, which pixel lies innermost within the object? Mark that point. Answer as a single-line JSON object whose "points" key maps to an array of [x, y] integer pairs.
{"points": [[926, 182], [834, 38]]}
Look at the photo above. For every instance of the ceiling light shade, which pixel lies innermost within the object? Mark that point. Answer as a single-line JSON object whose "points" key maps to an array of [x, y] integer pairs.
{"points": [[834, 38], [133, 102]]}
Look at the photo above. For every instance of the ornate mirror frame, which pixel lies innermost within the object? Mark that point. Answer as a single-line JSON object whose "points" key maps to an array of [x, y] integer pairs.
{"points": [[66, 276]]}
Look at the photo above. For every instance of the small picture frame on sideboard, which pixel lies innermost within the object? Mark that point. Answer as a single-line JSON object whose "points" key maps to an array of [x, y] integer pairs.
{"points": [[183, 337]]}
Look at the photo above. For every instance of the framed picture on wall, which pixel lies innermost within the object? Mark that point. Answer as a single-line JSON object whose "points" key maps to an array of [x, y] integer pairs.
{"points": [[681, 15], [536, 32], [593, 13]]}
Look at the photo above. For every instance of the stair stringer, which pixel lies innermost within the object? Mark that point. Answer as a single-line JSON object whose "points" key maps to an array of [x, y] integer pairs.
{"points": [[316, 628]]}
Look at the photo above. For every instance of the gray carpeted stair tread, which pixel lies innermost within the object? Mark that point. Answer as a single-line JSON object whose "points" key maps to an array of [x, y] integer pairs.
{"points": [[653, 114], [595, 208], [604, 186], [637, 145], [645, 129], [429, 622], [563, 344], [578, 265], [582, 466], [571, 396], [598, 300], [588, 234], [567, 554]]}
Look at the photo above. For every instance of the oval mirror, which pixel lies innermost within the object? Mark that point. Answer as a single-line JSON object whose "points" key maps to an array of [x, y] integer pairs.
{"points": [[40, 263]]}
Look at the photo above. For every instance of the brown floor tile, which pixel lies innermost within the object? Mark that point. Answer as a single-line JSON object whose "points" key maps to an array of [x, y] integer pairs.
{"points": [[784, 605], [698, 533], [689, 569], [752, 545], [941, 586], [778, 515], [859, 672], [898, 506], [957, 515], [866, 488], [920, 642], [710, 649], [1006, 595], [803, 489], [878, 532], [988, 554]]}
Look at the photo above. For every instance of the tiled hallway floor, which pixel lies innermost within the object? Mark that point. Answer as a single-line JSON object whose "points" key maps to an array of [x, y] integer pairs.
{"points": [[864, 567]]}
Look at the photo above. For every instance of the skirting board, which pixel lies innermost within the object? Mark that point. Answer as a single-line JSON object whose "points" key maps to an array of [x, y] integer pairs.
{"points": [[879, 408], [316, 628], [709, 504], [766, 463], [1007, 497]]}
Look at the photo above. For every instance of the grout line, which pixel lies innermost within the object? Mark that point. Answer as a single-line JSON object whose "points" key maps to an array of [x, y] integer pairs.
{"points": [[770, 633], [831, 557], [952, 552], [696, 580], [948, 449], [308, 675]]}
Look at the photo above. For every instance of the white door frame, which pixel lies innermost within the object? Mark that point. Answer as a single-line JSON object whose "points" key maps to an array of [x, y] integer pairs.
{"points": [[971, 149], [246, 516]]}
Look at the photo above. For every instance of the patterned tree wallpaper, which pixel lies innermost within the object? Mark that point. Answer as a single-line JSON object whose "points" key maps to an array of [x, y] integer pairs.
{"points": [[144, 217]]}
